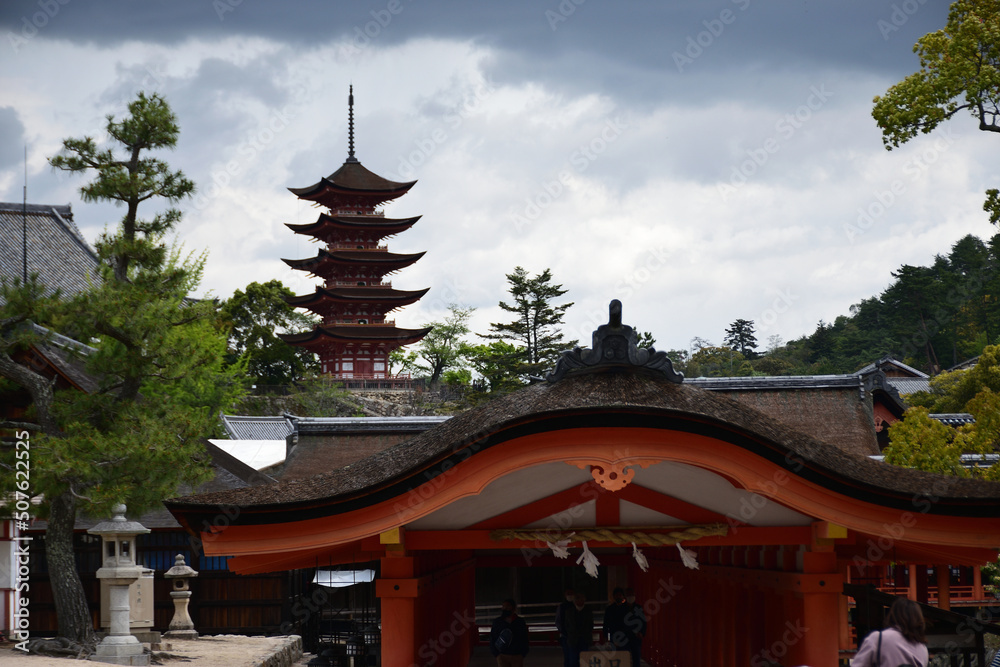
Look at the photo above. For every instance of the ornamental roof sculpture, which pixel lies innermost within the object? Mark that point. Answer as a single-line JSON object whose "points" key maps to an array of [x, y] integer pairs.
{"points": [[615, 347]]}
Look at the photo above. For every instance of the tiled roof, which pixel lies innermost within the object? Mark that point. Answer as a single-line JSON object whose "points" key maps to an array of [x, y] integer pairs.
{"points": [[889, 361], [257, 428], [57, 251], [909, 385], [775, 382], [954, 418]]}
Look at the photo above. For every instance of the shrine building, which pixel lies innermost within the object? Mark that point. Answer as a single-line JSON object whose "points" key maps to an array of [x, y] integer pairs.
{"points": [[739, 534], [354, 339]]}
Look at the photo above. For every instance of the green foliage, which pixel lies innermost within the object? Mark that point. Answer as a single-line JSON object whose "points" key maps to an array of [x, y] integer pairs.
{"points": [[499, 364], [132, 178], [929, 317], [444, 348], [959, 71], [917, 441], [137, 437], [921, 442], [740, 337], [645, 339], [718, 362], [952, 391], [536, 327], [256, 315]]}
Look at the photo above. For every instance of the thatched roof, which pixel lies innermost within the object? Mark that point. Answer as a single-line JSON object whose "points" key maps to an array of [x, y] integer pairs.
{"points": [[605, 399]]}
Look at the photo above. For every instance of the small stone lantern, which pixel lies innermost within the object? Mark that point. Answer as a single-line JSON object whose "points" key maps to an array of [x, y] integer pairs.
{"points": [[181, 626], [120, 570]]}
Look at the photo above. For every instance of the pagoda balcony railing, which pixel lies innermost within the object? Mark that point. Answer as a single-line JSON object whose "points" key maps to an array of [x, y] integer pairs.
{"points": [[354, 246], [349, 283], [388, 323], [355, 211]]}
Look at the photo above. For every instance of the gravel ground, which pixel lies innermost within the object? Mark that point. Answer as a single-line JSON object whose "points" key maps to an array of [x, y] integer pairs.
{"points": [[214, 651]]}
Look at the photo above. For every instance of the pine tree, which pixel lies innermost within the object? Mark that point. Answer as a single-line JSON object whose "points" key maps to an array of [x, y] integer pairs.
{"points": [[157, 357], [740, 337], [535, 331]]}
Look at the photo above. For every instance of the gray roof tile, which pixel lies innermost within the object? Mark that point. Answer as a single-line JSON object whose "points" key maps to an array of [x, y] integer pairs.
{"points": [[57, 251]]}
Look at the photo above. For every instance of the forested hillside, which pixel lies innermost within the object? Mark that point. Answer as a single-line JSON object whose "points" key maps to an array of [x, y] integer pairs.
{"points": [[930, 317]]}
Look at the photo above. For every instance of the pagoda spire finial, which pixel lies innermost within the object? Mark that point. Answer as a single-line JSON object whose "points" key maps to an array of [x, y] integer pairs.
{"points": [[350, 126]]}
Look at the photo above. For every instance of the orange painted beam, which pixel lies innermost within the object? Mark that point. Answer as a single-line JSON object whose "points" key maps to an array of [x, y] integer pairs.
{"points": [[471, 476], [324, 556], [606, 510], [543, 507], [661, 502]]}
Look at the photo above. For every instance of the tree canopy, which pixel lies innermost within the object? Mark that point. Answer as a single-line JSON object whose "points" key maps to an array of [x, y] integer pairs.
{"points": [[444, 348], [740, 337], [256, 315], [959, 72], [154, 353], [535, 330], [921, 442]]}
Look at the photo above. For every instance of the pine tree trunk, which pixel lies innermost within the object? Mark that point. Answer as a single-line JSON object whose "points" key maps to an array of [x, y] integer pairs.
{"points": [[72, 611]]}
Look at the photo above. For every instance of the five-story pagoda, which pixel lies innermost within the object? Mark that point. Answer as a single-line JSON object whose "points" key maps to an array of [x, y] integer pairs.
{"points": [[354, 339]]}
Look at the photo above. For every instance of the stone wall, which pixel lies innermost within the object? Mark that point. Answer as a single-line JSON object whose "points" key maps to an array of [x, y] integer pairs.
{"points": [[283, 655]]}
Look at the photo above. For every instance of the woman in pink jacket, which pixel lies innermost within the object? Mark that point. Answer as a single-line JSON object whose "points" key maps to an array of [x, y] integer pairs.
{"points": [[901, 644]]}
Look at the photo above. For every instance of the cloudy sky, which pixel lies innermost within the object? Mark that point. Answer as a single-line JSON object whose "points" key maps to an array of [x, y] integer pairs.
{"points": [[700, 160]]}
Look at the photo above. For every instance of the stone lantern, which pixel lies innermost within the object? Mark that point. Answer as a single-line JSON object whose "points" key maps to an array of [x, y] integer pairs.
{"points": [[119, 570], [181, 626]]}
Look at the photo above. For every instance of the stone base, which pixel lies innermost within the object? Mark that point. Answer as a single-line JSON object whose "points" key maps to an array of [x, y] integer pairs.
{"points": [[120, 651], [147, 636], [180, 634]]}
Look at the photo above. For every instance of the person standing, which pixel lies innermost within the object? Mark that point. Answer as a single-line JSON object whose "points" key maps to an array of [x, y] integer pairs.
{"points": [[561, 612], [616, 632], [635, 621], [579, 624], [509, 636], [902, 641]]}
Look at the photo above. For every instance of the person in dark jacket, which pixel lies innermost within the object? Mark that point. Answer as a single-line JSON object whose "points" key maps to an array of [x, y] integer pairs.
{"points": [[562, 611], [616, 628], [578, 622], [509, 636], [635, 621]]}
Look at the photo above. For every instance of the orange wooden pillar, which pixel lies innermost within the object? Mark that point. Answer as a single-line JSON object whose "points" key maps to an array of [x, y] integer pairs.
{"points": [[943, 573], [977, 583], [812, 631], [397, 590]]}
